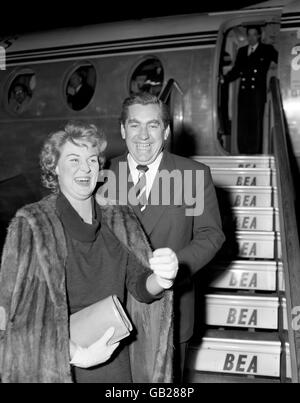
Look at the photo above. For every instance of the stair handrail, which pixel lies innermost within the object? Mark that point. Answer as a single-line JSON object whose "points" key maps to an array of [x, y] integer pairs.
{"points": [[168, 89], [288, 226]]}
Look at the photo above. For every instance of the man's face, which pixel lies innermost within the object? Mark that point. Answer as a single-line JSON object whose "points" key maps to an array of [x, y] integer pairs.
{"points": [[144, 133], [19, 94], [75, 80], [253, 37], [77, 170]]}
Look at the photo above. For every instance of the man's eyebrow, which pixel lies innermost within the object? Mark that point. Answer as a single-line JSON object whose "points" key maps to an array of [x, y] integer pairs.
{"points": [[156, 121]]}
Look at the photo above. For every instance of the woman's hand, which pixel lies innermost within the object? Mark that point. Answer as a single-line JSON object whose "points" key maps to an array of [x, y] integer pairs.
{"points": [[96, 354]]}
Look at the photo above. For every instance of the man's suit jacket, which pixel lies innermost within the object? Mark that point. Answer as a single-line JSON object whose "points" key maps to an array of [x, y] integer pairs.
{"points": [[195, 240]]}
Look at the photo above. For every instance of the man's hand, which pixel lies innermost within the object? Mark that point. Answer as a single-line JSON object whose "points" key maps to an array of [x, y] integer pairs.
{"points": [[96, 354], [164, 264]]}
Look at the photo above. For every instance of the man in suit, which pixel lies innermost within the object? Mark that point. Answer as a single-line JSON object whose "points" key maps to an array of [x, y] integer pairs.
{"points": [[251, 66], [178, 223]]}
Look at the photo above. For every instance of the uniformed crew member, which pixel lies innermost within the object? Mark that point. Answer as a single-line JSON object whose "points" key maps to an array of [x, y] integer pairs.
{"points": [[251, 66]]}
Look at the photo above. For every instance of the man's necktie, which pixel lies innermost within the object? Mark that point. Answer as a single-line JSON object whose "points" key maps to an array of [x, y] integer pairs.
{"points": [[140, 187]]}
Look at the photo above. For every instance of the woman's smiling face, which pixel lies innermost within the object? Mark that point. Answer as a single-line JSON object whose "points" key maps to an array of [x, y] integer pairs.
{"points": [[77, 170]]}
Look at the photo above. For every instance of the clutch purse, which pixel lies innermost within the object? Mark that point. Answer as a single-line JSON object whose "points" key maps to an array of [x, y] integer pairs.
{"points": [[89, 324]]}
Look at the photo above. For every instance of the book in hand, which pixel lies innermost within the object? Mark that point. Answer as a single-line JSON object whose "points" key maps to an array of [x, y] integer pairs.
{"points": [[89, 325]]}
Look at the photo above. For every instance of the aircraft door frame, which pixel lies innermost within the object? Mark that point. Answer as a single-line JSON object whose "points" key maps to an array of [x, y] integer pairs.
{"points": [[243, 19]]}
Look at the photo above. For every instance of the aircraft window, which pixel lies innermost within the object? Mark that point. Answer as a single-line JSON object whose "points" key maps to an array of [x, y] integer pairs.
{"points": [[147, 77], [21, 91], [81, 86]]}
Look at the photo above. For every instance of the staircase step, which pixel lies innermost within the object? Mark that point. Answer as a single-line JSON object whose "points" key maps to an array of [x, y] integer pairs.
{"points": [[243, 299], [278, 250], [274, 178], [254, 218], [210, 377], [247, 196], [236, 353], [284, 313], [245, 275], [288, 361], [281, 280], [236, 161], [242, 176], [258, 312], [250, 244]]}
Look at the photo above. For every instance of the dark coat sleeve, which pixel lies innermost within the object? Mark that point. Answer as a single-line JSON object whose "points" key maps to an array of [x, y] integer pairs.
{"points": [[208, 236], [273, 54], [136, 277]]}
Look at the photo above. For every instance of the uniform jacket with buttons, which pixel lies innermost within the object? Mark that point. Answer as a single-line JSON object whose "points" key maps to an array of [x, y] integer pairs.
{"points": [[253, 69]]}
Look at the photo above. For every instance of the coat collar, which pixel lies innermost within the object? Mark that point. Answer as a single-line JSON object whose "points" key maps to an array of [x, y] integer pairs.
{"points": [[123, 222]]}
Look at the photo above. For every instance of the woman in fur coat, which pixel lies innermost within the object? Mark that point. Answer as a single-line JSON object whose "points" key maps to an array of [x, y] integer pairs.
{"points": [[69, 251]]}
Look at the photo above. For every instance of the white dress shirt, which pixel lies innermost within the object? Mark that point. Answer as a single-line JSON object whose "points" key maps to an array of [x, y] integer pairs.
{"points": [[150, 174]]}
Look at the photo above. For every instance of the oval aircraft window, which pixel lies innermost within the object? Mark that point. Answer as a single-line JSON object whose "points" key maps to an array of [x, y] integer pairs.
{"points": [[81, 86], [147, 77], [21, 91]]}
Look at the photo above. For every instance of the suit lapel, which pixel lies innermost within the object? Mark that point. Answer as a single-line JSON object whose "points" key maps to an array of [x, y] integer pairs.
{"points": [[152, 214], [115, 168]]}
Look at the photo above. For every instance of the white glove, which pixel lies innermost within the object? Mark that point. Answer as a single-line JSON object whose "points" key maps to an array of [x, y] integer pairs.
{"points": [[95, 354], [164, 264]]}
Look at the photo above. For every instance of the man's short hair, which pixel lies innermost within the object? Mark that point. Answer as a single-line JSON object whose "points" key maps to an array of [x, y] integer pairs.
{"points": [[145, 99], [256, 27]]}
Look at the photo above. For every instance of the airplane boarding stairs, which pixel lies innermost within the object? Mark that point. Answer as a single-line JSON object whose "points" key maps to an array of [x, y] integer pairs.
{"points": [[241, 326]]}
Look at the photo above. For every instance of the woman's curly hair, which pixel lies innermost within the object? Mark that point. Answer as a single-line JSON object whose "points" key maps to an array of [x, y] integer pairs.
{"points": [[76, 132]]}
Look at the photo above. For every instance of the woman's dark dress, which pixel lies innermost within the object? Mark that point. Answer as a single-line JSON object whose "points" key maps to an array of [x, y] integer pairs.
{"points": [[98, 265]]}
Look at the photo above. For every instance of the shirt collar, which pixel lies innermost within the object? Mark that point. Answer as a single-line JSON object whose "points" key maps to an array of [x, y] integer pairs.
{"points": [[153, 167], [78, 88], [254, 47]]}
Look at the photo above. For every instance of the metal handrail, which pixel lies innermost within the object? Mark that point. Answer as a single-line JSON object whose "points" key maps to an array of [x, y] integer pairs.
{"points": [[168, 89], [288, 226]]}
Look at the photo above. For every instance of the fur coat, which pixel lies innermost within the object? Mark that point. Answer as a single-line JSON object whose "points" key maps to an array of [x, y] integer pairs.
{"points": [[34, 323]]}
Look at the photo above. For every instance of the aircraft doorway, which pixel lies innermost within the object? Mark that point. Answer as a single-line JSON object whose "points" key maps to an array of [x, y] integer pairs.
{"points": [[248, 59]]}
